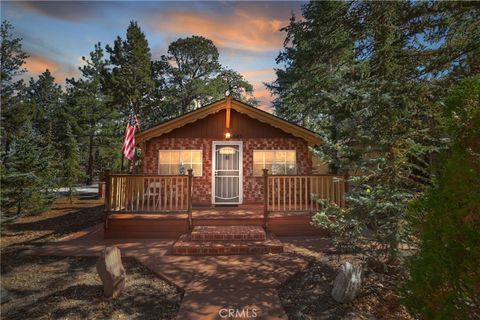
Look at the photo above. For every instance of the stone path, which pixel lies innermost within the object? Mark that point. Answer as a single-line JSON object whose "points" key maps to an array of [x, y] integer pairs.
{"points": [[215, 287]]}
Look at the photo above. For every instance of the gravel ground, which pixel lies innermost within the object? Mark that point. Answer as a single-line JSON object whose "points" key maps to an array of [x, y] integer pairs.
{"points": [[69, 288]]}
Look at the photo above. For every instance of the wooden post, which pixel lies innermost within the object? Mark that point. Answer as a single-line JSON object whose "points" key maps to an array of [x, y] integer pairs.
{"points": [[189, 198], [106, 209], [345, 188], [265, 198]]}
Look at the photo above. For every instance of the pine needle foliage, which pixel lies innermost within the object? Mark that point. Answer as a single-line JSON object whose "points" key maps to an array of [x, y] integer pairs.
{"points": [[444, 276]]}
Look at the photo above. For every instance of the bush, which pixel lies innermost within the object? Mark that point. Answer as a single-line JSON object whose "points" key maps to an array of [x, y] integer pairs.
{"points": [[444, 276]]}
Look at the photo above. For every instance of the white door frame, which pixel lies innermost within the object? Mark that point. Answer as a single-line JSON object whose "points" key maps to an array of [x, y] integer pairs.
{"points": [[240, 168]]}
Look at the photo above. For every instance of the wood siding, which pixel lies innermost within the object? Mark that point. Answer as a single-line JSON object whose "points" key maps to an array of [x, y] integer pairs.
{"points": [[241, 127]]}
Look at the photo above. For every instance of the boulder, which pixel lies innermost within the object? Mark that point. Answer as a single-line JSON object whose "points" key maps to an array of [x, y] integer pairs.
{"points": [[111, 272], [347, 283]]}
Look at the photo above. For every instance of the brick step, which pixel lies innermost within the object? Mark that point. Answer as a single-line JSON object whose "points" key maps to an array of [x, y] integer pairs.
{"points": [[246, 233], [185, 246]]}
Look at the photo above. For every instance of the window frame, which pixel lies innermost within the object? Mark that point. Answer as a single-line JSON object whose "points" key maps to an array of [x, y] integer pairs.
{"points": [[191, 163], [274, 151]]}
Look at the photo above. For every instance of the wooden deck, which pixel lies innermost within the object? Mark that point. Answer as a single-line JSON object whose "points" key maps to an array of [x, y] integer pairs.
{"points": [[157, 206], [172, 225]]}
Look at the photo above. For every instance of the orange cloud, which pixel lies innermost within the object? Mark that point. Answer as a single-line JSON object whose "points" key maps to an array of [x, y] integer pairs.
{"points": [[257, 78], [37, 64], [240, 31], [266, 74], [261, 93]]}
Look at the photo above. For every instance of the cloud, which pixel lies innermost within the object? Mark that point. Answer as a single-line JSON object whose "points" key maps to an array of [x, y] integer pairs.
{"points": [[257, 77], [261, 93], [65, 10], [266, 73], [239, 31], [37, 64]]}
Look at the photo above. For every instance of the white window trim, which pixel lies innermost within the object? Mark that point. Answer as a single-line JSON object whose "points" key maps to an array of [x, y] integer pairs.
{"points": [[181, 150], [272, 150]]}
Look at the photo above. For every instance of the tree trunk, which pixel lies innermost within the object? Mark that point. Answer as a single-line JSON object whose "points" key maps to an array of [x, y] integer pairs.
{"points": [[90, 161]]}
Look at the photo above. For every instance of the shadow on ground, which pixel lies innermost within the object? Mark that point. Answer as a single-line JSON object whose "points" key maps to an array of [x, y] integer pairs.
{"points": [[70, 288]]}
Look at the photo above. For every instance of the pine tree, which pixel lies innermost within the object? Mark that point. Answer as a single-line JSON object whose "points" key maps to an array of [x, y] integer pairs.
{"points": [[191, 76], [25, 173], [318, 67], [350, 75], [131, 81], [70, 164], [191, 62], [14, 110], [443, 276], [390, 128], [46, 99], [97, 122]]}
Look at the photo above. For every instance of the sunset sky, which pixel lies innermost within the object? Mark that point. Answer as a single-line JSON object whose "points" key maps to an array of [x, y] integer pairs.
{"points": [[57, 34]]}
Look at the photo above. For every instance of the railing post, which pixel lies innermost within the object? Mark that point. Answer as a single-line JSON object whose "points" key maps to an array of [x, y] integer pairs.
{"points": [[345, 188], [106, 209], [265, 198], [189, 198]]}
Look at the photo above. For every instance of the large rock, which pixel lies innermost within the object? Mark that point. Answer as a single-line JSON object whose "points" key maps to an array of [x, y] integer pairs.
{"points": [[111, 271], [347, 283]]}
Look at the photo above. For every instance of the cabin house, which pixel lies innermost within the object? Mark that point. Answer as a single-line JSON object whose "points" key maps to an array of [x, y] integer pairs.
{"points": [[227, 164]]}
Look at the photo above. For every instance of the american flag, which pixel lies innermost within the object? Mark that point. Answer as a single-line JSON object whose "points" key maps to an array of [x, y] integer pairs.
{"points": [[129, 139]]}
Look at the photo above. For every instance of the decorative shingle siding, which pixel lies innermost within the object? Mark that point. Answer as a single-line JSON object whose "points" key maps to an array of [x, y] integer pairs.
{"points": [[202, 186]]}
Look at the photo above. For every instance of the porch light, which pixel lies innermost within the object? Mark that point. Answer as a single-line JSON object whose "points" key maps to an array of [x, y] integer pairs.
{"points": [[227, 135]]}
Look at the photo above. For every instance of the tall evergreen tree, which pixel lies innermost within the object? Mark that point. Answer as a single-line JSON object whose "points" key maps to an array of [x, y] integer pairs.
{"points": [[131, 83], [47, 102], [97, 121], [352, 73], [443, 277], [26, 171], [191, 76], [318, 64], [14, 110], [70, 164]]}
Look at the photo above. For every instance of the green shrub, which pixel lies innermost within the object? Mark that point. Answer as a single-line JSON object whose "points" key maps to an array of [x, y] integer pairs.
{"points": [[444, 275]]}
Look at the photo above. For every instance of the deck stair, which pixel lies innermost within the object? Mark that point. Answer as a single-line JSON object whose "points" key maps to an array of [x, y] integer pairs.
{"points": [[227, 240]]}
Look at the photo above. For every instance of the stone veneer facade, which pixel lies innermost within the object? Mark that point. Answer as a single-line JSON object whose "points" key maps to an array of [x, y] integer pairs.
{"points": [[202, 186]]}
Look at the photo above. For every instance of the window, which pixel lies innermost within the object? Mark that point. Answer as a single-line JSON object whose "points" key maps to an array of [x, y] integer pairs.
{"points": [[276, 161], [171, 162]]}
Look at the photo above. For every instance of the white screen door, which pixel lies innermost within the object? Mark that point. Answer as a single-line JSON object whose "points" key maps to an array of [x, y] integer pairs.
{"points": [[227, 172]]}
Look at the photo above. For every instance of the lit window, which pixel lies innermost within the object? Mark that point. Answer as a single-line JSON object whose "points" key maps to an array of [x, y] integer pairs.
{"points": [[173, 162], [276, 161]]}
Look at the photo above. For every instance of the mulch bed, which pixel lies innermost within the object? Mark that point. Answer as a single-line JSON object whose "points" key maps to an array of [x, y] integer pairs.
{"points": [[307, 294], [69, 288]]}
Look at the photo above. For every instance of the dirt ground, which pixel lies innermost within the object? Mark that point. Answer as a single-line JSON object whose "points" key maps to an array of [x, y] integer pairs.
{"points": [[69, 288], [307, 295]]}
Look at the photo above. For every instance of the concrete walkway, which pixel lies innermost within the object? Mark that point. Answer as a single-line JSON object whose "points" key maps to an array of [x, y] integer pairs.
{"points": [[215, 287]]}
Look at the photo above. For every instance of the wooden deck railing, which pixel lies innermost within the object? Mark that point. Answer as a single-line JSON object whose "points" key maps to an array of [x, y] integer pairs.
{"points": [[131, 193], [148, 193], [302, 192]]}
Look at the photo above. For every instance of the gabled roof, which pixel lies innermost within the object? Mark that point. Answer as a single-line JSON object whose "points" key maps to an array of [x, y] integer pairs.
{"points": [[311, 137]]}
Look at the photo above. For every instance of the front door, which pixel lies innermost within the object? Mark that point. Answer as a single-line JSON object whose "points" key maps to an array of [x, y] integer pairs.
{"points": [[227, 172]]}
